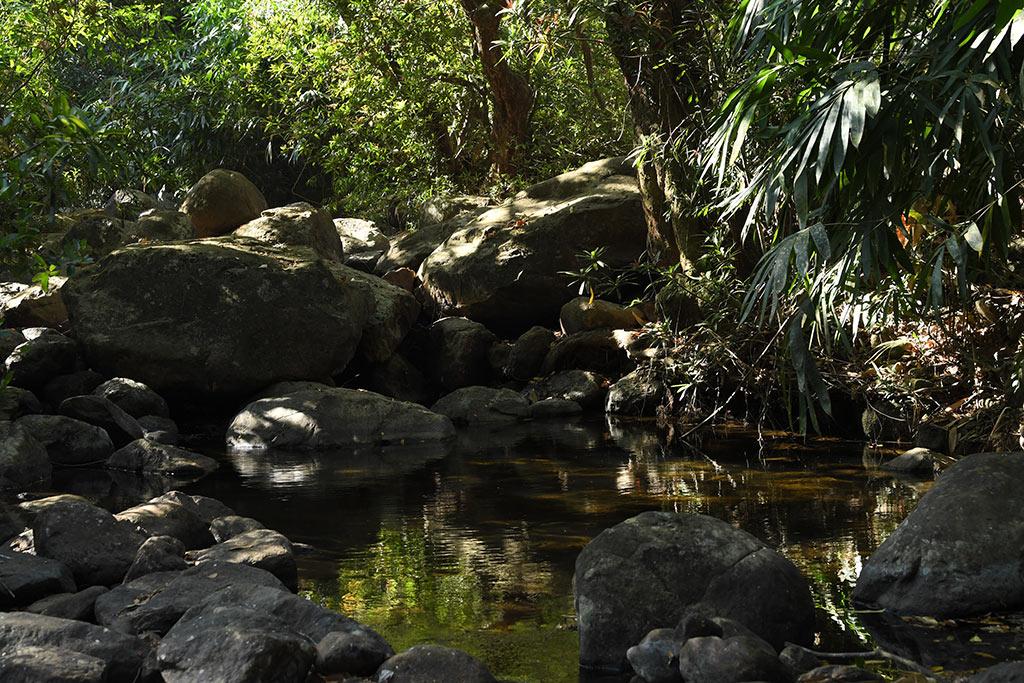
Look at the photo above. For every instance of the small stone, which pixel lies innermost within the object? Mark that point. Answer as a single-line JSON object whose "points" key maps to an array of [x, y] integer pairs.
{"points": [[107, 415], [164, 518]]}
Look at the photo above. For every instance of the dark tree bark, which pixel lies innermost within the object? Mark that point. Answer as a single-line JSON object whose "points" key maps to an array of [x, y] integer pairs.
{"points": [[512, 98]]}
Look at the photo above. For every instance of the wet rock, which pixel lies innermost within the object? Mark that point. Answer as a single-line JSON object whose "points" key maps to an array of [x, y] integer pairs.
{"points": [[638, 394], [505, 267], [63, 387], [222, 201], [334, 418], [204, 507], [433, 664], [521, 359], [233, 644], [483, 406], [459, 348], [547, 408], [1007, 672], [154, 602], [37, 361], [129, 204], [580, 386], [656, 657], [296, 225], [398, 378], [68, 441], [23, 460], [135, 398], [99, 412], [394, 312], [651, 569], [165, 518], [594, 350], [157, 554], [122, 654], [216, 318], [159, 429], [33, 664], [151, 457], [356, 653], [838, 673], [944, 563], [96, 547], [36, 307], [582, 313], [226, 528], [916, 460], [260, 548], [730, 660], [27, 578], [69, 605]]}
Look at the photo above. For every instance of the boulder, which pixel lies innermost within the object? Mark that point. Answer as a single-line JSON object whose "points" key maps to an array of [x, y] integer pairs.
{"points": [[96, 547], [165, 518], [223, 644], [63, 387], [129, 204], [916, 461], [69, 605], [334, 418], [135, 398], [162, 225], [405, 278], [97, 231], [650, 570], [656, 657], [440, 209], [584, 313], [37, 361], [362, 241], [27, 578], [398, 378], [945, 563], [586, 388], [222, 201], [458, 350], [32, 508], [638, 394], [409, 248], [296, 225], [226, 528], [68, 441], [261, 548], [157, 554], [394, 312], [99, 412], [1007, 672], [123, 655], [483, 406], [23, 460], [216, 317], [159, 429], [15, 402], [433, 664], [9, 339], [356, 653], [595, 350], [204, 507], [521, 360], [36, 307], [548, 408], [506, 267], [839, 673], [33, 664], [711, 659], [151, 457], [11, 522], [798, 660]]}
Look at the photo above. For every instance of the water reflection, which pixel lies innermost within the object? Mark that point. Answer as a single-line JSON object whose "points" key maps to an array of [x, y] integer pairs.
{"points": [[475, 547]]}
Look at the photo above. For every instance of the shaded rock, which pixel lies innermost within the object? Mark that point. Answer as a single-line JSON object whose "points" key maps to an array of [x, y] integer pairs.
{"points": [[935, 437], [504, 268], [402, 277], [157, 554], [204, 507], [296, 225], [99, 412], [595, 350], [214, 644], [547, 408], [410, 248], [260, 548], [23, 460], [279, 389], [135, 398], [838, 673], [69, 605], [226, 528], [398, 378], [798, 660], [356, 653], [639, 393], [39, 360], [96, 547], [68, 441], [1007, 672], [129, 204], [63, 387], [9, 340], [730, 660], [164, 518], [394, 312], [651, 569], [33, 664], [98, 232], [26, 578], [521, 359], [122, 654], [15, 402], [333, 418], [916, 460], [154, 602], [31, 508], [221, 201], [483, 405], [36, 307], [433, 664], [440, 209], [942, 562], [159, 429], [162, 225], [148, 456], [582, 313], [11, 523], [656, 657], [580, 386], [217, 317], [459, 349]]}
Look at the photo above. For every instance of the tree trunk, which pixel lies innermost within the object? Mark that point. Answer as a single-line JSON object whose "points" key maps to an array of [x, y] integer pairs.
{"points": [[512, 98]]}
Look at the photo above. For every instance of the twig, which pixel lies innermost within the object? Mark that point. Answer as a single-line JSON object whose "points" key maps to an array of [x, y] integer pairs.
{"points": [[877, 653]]}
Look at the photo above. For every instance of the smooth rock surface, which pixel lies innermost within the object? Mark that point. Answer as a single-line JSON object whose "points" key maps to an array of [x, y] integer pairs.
{"points": [[27, 578], [68, 441], [221, 201], [145, 456], [483, 406]]}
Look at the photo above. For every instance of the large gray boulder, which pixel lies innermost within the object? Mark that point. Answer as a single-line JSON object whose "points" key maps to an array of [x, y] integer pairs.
{"points": [[505, 268], [219, 317], [68, 441], [221, 201], [483, 406], [959, 552], [651, 570], [262, 548], [23, 460], [69, 605], [129, 204], [159, 517], [296, 225], [162, 225], [34, 664], [150, 457], [37, 307], [334, 418], [433, 664]]}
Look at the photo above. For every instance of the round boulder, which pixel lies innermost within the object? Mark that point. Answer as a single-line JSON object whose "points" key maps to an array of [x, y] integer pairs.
{"points": [[221, 201], [296, 225]]}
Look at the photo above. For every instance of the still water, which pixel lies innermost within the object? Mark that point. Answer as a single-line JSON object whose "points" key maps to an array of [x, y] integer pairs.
{"points": [[473, 545]]}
